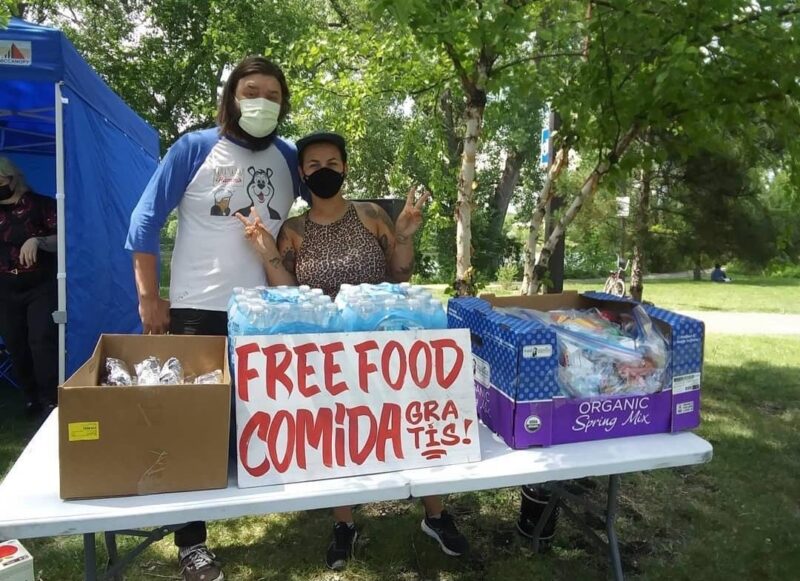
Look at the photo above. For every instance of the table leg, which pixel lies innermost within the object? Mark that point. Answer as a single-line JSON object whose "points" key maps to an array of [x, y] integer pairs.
{"points": [[113, 555], [543, 518], [89, 557], [611, 516]]}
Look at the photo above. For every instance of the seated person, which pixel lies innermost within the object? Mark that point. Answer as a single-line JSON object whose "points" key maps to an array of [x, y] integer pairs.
{"points": [[718, 275]]}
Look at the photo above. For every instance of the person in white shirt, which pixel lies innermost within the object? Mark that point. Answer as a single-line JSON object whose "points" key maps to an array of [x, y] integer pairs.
{"points": [[211, 176]]}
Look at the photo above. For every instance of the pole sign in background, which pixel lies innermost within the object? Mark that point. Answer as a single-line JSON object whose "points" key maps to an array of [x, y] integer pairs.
{"points": [[319, 406]]}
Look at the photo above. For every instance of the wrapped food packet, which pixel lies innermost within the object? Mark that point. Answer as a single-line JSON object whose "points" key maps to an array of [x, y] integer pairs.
{"points": [[210, 377], [605, 352], [148, 371], [117, 373], [171, 372]]}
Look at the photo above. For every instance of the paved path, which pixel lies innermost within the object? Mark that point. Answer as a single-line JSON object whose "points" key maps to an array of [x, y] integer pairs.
{"points": [[748, 323]]}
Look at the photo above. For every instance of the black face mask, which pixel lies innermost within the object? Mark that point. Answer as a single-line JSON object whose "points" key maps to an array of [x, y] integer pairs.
{"points": [[6, 192], [325, 183]]}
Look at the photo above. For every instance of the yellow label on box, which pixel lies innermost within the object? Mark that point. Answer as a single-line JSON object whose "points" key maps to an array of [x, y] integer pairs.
{"points": [[79, 431]]}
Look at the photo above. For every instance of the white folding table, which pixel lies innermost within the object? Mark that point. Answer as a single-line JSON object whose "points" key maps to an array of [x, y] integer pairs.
{"points": [[30, 505]]}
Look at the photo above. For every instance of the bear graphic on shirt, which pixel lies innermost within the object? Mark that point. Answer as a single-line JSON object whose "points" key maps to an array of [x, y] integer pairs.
{"points": [[261, 192]]}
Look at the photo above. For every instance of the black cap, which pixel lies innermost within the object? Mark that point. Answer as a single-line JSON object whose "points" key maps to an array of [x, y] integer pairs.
{"points": [[322, 137]]}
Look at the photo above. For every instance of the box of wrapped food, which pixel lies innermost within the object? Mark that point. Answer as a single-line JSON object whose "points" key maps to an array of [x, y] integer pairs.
{"points": [[146, 414], [553, 369]]}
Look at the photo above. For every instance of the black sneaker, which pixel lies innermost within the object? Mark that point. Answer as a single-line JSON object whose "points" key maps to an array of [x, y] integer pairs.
{"points": [[200, 564], [444, 530], [341, 548]]}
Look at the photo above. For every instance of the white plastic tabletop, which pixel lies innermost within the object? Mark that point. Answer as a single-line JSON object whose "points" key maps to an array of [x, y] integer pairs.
{"points": [[30, 506], [501, 466]]}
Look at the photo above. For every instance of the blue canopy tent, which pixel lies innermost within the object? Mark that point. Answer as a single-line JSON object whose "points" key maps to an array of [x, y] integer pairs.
{"points": [[77, 141]]}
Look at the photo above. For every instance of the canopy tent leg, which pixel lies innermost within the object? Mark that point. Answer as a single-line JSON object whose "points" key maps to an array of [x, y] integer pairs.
{"points": [[60, 316]]}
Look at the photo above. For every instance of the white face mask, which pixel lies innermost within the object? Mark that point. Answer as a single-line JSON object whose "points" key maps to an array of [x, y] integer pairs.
{"points": [[259, 117]]}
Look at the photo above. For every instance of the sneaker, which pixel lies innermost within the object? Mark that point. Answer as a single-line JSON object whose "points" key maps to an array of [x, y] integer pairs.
{"points": [[341, 548], [444, 530], [200, 564]]}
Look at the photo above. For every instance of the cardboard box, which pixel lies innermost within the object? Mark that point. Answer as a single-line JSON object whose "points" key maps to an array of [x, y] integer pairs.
{"points": [[118, 441], [516, 365], [16, 563]]}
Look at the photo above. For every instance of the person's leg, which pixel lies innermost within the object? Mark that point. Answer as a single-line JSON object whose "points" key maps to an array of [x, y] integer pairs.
{"points": [[344, 538], [14, 330], [535, 499], [439, 525], [41, 302], [197, 562]]}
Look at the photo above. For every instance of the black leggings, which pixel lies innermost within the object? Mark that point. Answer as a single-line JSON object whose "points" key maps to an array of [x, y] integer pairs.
{"points": [[27, 302], [196, 322]]}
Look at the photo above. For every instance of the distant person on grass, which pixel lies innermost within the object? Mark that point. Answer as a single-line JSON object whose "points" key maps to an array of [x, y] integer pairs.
{"points": [[718, 275]]}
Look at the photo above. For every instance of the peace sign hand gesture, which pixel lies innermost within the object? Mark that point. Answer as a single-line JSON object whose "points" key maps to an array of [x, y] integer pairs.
{"points": [[256, 233], [410, 219]]}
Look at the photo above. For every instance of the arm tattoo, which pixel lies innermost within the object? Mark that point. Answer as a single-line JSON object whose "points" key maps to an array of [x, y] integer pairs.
{"points": [[289, 261], [402, 239], [381, 213], [297, 225], [275, 261], [375, 212], [384, 243]]}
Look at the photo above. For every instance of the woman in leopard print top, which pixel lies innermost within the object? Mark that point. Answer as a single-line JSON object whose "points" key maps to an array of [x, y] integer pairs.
{"points": [[335, 242]]}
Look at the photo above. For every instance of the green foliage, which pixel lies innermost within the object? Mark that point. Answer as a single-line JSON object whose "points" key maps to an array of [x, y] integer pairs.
{"points": [[701, 79], [6, 10]]}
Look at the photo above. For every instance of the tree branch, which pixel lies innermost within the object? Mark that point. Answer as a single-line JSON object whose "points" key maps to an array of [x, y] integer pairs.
{"points": [[466, 81], [340, 12], [536, 57]]}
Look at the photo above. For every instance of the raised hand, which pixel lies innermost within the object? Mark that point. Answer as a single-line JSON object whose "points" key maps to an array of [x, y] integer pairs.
{"points": [[410, 219], [256, 233]]}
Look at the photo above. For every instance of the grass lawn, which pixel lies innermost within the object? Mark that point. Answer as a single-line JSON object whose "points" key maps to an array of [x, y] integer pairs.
{"points": [[745, 294], [735, 518]]}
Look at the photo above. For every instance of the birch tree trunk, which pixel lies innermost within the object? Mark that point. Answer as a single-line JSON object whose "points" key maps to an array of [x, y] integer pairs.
{"points": [[463, 214], [587, 191], [548, 189], [639, 265]]}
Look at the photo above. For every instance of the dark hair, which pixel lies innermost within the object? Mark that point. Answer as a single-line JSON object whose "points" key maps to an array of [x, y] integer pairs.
{"points": [[228, 113], [717, 265]]}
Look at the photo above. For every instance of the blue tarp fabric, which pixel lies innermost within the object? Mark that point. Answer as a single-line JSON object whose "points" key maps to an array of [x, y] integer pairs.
{"points": [[109, 155]]}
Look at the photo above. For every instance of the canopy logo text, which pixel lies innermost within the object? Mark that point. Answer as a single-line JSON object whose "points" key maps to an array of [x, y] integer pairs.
{"points": [[15, 52]]}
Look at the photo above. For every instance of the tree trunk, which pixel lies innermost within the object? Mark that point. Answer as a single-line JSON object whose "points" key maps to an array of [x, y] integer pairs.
{"points": [[473, 116], [697, 274], [639, 266], [502, 196], [548, 190], [587, 191]]}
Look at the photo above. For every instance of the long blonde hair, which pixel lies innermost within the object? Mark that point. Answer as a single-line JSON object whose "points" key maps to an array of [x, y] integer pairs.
{"points": [[9, 170]]}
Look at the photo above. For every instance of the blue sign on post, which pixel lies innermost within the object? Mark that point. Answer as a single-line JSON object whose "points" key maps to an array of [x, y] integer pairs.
{"points": [[544, 148]]}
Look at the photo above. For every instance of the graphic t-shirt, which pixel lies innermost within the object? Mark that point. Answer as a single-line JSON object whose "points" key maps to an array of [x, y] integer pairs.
{"points": [[210, 179]]}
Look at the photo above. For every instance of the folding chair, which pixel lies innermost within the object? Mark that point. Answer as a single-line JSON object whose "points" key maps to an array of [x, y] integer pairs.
{"points": [[6, 373]]}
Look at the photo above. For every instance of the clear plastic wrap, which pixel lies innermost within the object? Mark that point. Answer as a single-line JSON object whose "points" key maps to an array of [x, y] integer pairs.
{"points": [[117, 373], [148, 371], [151, 372], [605, 352], [210, 377], [171, 372]]}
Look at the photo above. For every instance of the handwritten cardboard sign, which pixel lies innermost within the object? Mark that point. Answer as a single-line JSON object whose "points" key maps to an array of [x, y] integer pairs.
{"points": [[319, 406]]}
